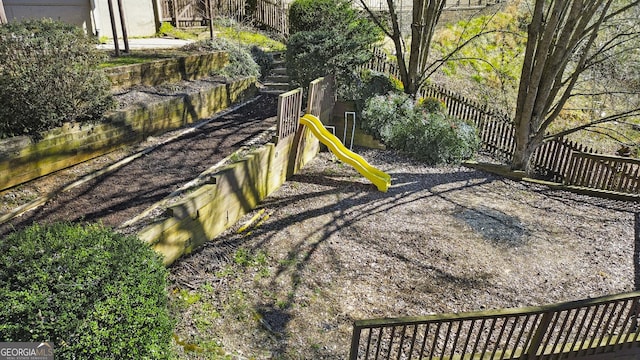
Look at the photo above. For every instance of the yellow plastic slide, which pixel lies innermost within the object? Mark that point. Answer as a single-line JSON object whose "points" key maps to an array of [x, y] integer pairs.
{"points": [[379, 178]]}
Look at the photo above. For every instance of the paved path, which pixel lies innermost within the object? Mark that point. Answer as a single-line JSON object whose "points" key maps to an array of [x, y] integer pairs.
{"points": [[147, 43]]}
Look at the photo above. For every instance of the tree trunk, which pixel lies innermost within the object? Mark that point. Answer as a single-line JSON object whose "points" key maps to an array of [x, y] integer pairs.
{"points": [[3, 16]]}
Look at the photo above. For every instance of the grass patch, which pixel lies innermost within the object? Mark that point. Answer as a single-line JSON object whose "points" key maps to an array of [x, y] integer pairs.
{"points": [[250, 37], [166, 29]]}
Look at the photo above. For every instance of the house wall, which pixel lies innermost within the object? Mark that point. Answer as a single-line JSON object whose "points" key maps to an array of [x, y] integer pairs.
{"points": [[90, 15], [140, 18], [77, 12]]}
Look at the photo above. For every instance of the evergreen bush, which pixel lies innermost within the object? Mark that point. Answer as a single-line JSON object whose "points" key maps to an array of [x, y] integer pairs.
{"points": [[366, 84], [263, 59], [328, 37], [92, 292], [312, 15], [49, 75], [430, 136]]}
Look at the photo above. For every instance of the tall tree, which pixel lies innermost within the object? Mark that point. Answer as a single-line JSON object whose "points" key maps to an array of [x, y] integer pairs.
{"points": [[567, 40], [425, 17]]}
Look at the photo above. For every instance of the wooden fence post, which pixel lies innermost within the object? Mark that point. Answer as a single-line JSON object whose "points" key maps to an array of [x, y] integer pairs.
{"points": [[541, 330], [174, 12]]}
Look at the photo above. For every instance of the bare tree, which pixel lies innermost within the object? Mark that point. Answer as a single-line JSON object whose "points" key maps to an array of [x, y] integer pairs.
{"points": [[425, 16], [415, 64], [3, 16], [567, 41]]}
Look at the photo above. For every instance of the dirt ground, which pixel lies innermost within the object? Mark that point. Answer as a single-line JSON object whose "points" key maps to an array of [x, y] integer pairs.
{"points": [[118, 196], [327, 249]]}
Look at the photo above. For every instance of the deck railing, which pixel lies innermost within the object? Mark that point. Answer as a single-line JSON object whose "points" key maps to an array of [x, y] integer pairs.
{"points": [[602, 328], [450, 5]]}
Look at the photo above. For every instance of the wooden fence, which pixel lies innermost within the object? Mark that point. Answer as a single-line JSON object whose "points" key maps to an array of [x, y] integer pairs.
{"points": [[289, 112], [379, 62], [184, 13], [271, 14], [557, 160], [235, 9], [322, 98], [603, 172], [602, 328]]}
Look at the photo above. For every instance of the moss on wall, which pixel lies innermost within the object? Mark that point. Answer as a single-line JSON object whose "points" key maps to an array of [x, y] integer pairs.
{"points": [[22, 159]]}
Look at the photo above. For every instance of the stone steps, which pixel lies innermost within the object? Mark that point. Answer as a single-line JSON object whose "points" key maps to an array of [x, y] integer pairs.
{"points": [[277, 81]]}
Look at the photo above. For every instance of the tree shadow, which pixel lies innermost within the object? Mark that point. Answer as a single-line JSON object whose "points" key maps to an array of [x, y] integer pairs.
{"points": [[355, 200], [495, 226]]}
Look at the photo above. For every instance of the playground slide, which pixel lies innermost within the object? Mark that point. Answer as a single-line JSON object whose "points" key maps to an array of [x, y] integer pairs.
{"points": [[379, 178]]}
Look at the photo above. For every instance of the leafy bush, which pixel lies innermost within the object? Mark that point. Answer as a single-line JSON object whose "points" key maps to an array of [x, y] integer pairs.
{"points": [[241, 63], [93, 293], [49, 75], [331, 38], [263, 59], [381, 113], [312, 15], [431, 104], [366, 85], [433, 137], [247, 35]]}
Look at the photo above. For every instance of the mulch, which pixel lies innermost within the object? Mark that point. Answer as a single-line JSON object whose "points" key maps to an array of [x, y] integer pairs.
{"points": [[116, 197]]}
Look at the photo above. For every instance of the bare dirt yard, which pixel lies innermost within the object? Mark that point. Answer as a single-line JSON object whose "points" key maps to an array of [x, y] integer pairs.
{"points": [[327, 248], [176, 158]]}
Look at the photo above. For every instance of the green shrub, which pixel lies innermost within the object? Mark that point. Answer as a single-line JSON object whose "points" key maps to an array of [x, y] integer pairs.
{"points": [[331, 38], [312, 15], [433, 137], [366, 85], [263, 59], [381, 113], [92, 292], [49, 75], [431, 104], [241, 63]]}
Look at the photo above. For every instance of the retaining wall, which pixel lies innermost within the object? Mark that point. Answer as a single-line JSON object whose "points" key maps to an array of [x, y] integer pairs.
{"points": [[233, 192], [22, 159], [162, 71]]}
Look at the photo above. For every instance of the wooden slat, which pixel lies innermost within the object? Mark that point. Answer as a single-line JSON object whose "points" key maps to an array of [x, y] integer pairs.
{"points": [[580, 329]]}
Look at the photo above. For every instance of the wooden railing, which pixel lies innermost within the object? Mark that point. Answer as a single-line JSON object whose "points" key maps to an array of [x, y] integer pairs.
{"points": [[602, 328], [469, 4], [289, 112], [322, 98]]}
